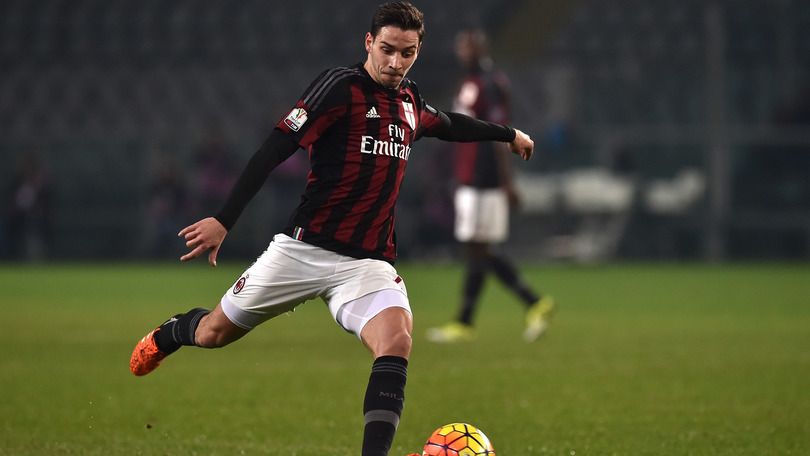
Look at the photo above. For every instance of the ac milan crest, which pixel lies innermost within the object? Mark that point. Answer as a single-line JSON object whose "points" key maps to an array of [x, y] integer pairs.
{"points": [[239, 285]]}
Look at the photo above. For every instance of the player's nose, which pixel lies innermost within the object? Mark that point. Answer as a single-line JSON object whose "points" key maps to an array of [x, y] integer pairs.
{"points": [[395, 62]]}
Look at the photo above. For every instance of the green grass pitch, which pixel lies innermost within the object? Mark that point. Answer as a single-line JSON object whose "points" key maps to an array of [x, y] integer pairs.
{"points": [[640, 360]]}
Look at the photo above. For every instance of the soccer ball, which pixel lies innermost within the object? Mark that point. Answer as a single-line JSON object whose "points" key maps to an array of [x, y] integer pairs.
{"points": [[458, 439]]}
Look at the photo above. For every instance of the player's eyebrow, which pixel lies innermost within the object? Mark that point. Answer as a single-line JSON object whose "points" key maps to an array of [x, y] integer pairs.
{"points": [[385, 43]]}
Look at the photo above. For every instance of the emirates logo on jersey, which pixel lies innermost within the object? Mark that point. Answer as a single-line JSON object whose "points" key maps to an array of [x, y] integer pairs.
{"points": [[394, 147]]}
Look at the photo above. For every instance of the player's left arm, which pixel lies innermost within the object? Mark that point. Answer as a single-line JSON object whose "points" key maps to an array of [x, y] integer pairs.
{"points": [[456, 127]]}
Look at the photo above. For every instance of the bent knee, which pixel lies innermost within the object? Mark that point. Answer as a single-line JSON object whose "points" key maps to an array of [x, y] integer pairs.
{"points": [[215, 330], [216, 337], [397, 344], [209, 339]]}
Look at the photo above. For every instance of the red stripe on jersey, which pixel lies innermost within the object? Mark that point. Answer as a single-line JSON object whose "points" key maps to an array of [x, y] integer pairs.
{"points": [[351, 167], [320, 125], [372, 193], [428, 120]]}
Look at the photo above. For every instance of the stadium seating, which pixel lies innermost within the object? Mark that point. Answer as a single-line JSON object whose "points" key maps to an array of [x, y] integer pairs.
{"points": [[114, 78]]}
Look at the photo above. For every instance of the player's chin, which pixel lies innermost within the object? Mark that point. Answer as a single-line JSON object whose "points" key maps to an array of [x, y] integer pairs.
{"points": [[391, 80]]}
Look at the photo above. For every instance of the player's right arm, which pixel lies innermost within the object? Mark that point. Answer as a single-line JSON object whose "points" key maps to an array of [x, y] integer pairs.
{"points": [[209, 233], [320, 105]]}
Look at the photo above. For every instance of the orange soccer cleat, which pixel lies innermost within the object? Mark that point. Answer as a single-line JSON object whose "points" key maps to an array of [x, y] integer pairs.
{"points": [[146, 356]]}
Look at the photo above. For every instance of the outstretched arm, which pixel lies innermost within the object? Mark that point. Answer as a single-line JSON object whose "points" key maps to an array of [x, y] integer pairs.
{"points": [[461, 128], [209, 233]]}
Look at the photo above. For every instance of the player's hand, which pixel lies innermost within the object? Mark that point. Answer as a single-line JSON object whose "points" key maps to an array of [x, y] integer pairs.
{"points": [[207, 234], [522, 145]]}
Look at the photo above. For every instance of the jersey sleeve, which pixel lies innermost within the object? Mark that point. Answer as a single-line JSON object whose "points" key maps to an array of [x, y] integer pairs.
{"points": [[324, 101], [429, 118]]}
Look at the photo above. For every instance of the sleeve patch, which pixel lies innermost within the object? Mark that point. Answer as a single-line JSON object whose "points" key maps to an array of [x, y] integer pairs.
{"points": [[296, 119]]}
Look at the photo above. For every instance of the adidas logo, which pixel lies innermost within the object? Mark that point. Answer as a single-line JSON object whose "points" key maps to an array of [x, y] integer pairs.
{"points": [[372, 113]]}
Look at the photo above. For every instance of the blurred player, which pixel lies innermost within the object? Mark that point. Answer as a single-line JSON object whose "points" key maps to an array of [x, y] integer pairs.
{"points": [[484, 195], [358, 125]]}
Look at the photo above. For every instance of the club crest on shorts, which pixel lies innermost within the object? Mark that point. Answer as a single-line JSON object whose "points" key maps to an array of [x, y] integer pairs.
{"points": [[240, 284]]}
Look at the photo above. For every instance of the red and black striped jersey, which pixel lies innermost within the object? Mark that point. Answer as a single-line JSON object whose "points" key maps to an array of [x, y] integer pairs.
{"points": [[483, 94], [359, 136]]}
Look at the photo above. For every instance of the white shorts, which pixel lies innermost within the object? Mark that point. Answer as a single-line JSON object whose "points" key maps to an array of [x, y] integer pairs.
{"points": [[291, 272], [482, 215]]}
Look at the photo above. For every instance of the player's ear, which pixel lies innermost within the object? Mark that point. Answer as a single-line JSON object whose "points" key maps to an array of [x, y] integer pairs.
{"points": [[369, 41]]}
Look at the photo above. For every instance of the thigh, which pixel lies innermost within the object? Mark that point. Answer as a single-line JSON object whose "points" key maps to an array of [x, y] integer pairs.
{"points": [[389, 333], [356, 278], [355, 316], [287, 274]]}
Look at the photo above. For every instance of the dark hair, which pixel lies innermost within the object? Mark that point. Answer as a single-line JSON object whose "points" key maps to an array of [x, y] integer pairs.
{"points": [[399, 14]]}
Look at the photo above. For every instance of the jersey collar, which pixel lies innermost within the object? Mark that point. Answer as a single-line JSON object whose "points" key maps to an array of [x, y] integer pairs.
{"points": [[399, 90]]}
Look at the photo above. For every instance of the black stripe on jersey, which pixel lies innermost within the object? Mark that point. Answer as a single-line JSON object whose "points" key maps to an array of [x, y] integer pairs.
{"points": [[382, 239], [388, 187], [332, 77], [313, 200], [363, 178]]}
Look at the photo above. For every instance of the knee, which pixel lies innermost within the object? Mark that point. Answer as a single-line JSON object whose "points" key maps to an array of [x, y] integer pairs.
{"points": [[209, 338], [397, 344], [215, 334]]}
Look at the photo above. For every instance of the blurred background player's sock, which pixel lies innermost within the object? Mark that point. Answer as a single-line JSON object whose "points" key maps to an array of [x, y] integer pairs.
{"points": [[509, 276], [473, 283]]}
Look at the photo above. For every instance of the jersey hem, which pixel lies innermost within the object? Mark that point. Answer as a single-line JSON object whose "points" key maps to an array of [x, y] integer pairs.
{"points": [[324, 242]]}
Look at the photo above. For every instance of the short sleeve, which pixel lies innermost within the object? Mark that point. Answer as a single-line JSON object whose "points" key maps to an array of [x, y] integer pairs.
{"points": [[429, 118]]}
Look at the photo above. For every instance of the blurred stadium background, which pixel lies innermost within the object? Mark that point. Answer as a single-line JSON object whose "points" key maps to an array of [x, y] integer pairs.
{"points": [[671, 129]]}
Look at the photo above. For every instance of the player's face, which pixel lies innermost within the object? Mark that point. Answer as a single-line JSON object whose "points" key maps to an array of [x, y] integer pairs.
{"points": [[391, 54]]}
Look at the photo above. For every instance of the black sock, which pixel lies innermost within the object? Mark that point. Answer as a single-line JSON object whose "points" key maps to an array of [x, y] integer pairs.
{"points": [[385, 396], [509, 276], [473, 283], [179, 330]]}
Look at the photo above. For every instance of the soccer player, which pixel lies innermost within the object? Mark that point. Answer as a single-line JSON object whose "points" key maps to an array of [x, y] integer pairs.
{"points": [[358, 125], [483, 197]]}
